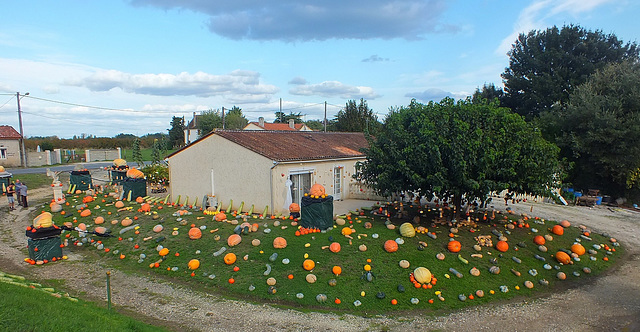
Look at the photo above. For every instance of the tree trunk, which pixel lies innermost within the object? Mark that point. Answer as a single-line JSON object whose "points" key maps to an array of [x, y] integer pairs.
{"points": [[457, 205]]}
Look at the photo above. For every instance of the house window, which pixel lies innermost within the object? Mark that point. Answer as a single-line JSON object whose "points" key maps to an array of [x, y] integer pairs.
{"points": [[301, 184], [3, 153]]}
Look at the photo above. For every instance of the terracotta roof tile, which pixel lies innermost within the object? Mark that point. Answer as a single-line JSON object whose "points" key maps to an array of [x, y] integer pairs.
{"points": [[278, 126], [7, 132], [294, 145]]}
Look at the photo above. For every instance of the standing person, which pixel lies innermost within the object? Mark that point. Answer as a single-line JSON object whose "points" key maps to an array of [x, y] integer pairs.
{"points": [[18, 191], [23, 195], [11, 189]]}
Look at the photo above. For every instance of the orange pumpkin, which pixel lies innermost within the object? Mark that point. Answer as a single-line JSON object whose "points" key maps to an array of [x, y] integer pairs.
{"points": [[87, 199], [317, 190], [233, 240], [337, 270], [294, 207], [119, 204], [221, 216], [279, 243], [308, 264], [502, 246], [565, 223], [126, 222], [539, 240], [134, 173], [454, 246], [563, 257], [578, 249], [99, 220], [335, 247], [100, 230], [193, 264], [139, 200], [146, 207], [230, 258], [85, 213], [391, 246], [557, 230], [195, 233], [347, 231]]}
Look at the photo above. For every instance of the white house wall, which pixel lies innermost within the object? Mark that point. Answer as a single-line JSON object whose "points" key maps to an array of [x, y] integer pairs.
{"points": [[12, 155], [239, 174]]}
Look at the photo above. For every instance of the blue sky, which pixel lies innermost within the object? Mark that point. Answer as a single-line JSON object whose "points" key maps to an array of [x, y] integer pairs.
{"points": [[109, 67]]}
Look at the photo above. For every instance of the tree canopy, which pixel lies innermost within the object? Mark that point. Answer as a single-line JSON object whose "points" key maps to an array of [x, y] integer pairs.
{"points": [[546, 66], [176, 133], [356, 118], [456, 149], [281, 117], [599, 129], [210, 120]]}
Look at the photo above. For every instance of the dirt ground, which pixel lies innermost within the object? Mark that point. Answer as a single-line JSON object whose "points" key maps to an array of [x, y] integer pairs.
{"points": [[610, 303]]}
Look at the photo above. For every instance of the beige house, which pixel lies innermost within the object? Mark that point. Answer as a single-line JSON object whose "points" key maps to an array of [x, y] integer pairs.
{"points": [[267, 168], [291, 126], [9, 147]]}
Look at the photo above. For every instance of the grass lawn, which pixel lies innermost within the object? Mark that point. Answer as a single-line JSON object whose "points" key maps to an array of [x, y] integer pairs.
{"points": [[525, 269], [27, 306], [33, 180], [127, 154]]}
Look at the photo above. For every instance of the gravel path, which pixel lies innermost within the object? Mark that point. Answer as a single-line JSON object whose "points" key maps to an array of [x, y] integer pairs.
{"points": [[611, 303]]}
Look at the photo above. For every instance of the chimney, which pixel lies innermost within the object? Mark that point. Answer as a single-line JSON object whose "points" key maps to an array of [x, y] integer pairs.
{"points": [[292, 124], [261, 122]]}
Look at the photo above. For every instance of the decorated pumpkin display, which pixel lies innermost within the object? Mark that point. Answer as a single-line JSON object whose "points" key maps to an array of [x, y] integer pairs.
{"points": [[563, 257], [578, 249], [233, 240], [44, 219], [195, 233], [317, 190], [502, 246], [335, 247], [135, 173], [308, 264], [390, 246], [279, 243], [193, 264], [407, 230], [422, 275], [454, 246], [294, 207], [230, 258], [557, 230]]}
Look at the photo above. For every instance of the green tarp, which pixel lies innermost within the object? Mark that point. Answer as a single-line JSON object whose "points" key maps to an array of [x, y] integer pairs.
{"points": [[118, 176], [48, 248], [4, 183], [316, 212], [82, 180], [137, 187]]}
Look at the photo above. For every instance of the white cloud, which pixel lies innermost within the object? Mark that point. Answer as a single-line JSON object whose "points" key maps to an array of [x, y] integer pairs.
{"points": [[436, 94], [292, 20], [232, 85], [335, 89], [298, 81], [535, 15]]}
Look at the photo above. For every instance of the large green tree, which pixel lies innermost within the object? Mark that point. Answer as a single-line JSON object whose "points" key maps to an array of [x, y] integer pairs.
{"points": [[599, 129], [545, 66], [234, 119], [458, 149], [176, 133], [210, 120], [281, 117], [357, 118]]}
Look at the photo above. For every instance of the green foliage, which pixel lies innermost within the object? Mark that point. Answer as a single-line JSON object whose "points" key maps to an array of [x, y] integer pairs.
{"points": [[489, 93], [317, 125], [458, 149], [208, 121], [546, 66], [155, 152], [156, 174], [33, 180], [234, 119], [59, 313], [137, 154], [599, 129], [281, 117], [357, 118], [176, 133]]}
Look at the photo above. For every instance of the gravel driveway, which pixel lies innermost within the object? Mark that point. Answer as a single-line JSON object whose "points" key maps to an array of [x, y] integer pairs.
{"points": [[610, 303]]}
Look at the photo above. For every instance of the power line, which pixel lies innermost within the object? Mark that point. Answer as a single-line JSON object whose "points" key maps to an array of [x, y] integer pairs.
{"points": [[10, 99]]}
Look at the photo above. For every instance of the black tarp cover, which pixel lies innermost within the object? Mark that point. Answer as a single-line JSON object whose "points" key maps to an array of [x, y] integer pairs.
{"points": [[316, 212]]}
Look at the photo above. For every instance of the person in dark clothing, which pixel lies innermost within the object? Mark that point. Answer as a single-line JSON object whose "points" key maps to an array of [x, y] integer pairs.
{"points": [[11, 190]]}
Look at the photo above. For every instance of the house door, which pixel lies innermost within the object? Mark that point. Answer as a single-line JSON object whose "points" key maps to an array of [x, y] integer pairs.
{"points": [[337, 183], [301, 184]]}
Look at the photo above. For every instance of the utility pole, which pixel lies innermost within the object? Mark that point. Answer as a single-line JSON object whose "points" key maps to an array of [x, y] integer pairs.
{"points": [[23, 152], [281, 115], [222, 117], [325, 116]]}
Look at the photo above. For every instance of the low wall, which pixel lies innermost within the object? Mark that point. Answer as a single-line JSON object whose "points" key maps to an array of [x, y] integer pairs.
{"points": [[102, 154], [42, 158]]}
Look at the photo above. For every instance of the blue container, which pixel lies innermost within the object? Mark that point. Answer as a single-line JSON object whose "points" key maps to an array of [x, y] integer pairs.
{"points": [[599, 201], [577, 194], [569, 190]]}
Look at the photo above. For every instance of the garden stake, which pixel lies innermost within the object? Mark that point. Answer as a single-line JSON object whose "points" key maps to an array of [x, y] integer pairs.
{"points": [[108, 291]]}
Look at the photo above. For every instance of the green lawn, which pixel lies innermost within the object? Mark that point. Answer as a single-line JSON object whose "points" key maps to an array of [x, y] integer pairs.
{"points": [[33, 180], [28, 306]]}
